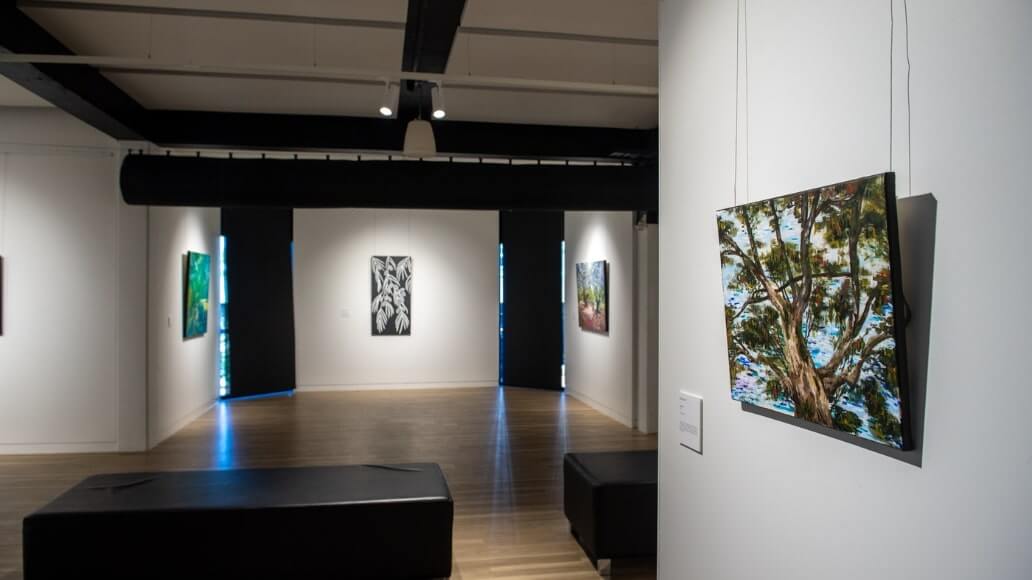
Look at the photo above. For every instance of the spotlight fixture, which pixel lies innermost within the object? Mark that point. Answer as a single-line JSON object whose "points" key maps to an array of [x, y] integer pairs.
{"points": [[389, 102], [437, 101]]}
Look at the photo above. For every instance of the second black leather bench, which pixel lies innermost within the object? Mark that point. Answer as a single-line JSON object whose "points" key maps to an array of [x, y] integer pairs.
{"points": [[610, 500]]}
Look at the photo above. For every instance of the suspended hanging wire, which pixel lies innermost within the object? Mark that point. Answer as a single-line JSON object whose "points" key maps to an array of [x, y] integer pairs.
{"points": [[748, 143], [910, 163], [3, 206], [738, 50], [892, 47]]}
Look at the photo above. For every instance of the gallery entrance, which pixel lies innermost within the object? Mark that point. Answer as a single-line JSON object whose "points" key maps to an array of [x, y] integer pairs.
{"points": [[531, 306]]}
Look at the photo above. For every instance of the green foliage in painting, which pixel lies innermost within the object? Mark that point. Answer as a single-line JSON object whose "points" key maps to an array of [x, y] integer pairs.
{"points": [[195, 304], [593, 296], [809, 309]]}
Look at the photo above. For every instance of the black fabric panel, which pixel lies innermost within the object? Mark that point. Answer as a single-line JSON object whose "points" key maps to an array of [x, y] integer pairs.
{"points": [[323, 132], [223, 182], [533, 338], [261, 300]]}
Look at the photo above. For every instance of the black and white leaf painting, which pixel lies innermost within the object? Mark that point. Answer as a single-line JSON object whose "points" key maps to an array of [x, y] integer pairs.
{"points": [[392, 295]]}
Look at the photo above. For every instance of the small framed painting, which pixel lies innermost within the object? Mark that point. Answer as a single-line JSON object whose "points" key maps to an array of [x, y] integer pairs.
{"points": [[593, 296], [391, 309], [195, 298]]}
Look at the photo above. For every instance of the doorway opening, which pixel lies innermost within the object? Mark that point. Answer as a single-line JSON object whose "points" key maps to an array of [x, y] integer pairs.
{"points": [[224, 373], [531, 272]]}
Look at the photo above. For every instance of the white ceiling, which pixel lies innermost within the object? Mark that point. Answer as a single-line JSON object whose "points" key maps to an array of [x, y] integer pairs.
{"points": [[392, 10], [13, 95], [630, 57], [619, 18]]}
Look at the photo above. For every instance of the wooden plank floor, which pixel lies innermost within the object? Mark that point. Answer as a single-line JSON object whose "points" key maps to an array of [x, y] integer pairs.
{"points": [[501, 450]]}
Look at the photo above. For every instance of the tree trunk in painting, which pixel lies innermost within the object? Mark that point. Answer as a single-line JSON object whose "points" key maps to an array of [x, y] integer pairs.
{"points": [[807, 388], [811, 264]]}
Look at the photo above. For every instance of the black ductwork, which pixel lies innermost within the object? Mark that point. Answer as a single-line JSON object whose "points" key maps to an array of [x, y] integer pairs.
{"points": [[211, 182]]}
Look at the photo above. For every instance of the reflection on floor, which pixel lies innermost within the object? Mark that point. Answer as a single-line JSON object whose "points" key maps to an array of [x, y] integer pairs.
{"points": [[501, 450]]}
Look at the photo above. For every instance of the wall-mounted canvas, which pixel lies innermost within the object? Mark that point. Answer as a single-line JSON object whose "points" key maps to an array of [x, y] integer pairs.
{"points": [[195, 300], [814, 309], [392, 295], [593, 296]]}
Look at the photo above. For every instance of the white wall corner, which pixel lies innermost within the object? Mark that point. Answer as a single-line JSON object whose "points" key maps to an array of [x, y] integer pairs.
{"points": [[622, 417], [161, 434], [132, 322]]}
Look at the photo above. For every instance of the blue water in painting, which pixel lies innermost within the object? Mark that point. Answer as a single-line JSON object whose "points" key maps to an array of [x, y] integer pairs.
{"points": [[749, 385]]}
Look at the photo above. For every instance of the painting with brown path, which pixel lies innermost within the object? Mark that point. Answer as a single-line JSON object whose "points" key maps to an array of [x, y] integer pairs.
{"points": [[593, 296]]}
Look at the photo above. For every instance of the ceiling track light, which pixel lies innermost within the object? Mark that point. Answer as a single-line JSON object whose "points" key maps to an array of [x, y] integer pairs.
{"points": [[437, 101], [389, 102]]}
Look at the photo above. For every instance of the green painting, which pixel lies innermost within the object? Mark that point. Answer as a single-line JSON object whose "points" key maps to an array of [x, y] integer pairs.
{"points": [[195, 303], [813, 306]]}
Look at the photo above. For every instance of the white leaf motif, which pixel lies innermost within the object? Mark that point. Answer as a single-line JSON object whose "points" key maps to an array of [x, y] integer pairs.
{"points": [[392, 277]]}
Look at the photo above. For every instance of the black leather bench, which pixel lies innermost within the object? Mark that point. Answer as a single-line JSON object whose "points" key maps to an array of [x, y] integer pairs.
{"points": [[310, 522], [610, 500]]}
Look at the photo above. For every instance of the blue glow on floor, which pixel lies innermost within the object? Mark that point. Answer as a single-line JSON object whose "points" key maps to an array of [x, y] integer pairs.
{"points": [[225, 458]]}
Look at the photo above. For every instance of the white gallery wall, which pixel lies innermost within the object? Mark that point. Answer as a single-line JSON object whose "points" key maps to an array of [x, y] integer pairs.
{"points": [[72, 353], [600, 367], [646, 362], [769, 500], [454, 340], [182, 372]]}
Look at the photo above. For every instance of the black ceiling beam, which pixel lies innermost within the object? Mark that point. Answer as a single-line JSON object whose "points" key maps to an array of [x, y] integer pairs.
{"points": [[308, 132], [222, 182], [430, 29], [272, 131], [79, 90]]}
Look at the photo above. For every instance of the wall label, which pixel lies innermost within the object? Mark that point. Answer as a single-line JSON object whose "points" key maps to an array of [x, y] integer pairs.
{"points": [[690, 421]]}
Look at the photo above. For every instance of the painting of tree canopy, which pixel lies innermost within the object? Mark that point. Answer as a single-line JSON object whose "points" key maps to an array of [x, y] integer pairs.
{"points": [[811, 301], [195, 303], [593, 296], [392, 295]]}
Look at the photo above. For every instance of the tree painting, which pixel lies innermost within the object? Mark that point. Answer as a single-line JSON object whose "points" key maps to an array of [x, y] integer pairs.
{"points": [[195, 303], [809, 307], [593, 296], [392, 295]]}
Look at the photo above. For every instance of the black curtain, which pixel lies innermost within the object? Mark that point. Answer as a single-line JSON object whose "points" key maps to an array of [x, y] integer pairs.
{"points": [[261, 300], [532, 343]]}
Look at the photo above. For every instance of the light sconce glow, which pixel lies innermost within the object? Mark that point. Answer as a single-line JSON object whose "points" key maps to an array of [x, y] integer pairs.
{"points": [[437, 100]]}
